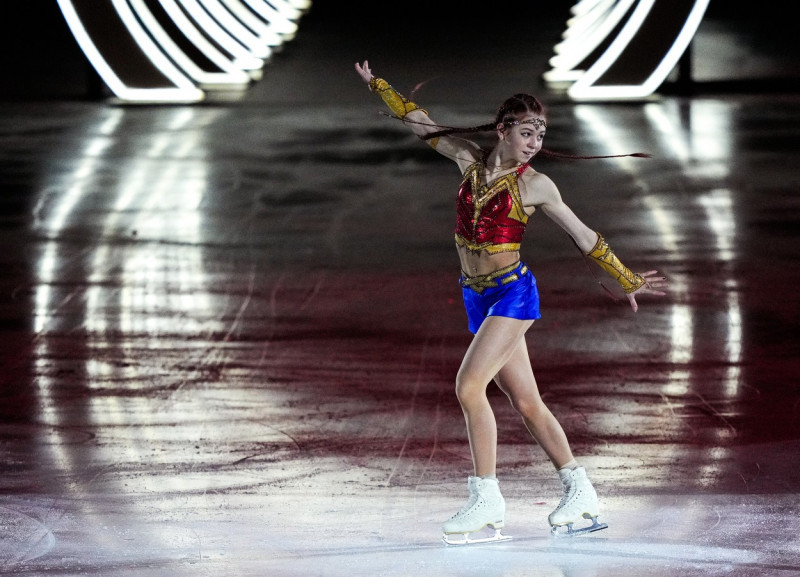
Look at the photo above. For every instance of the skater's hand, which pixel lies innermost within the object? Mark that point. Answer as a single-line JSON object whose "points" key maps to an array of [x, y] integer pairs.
{"points": [[364, 71], [650, 286]]}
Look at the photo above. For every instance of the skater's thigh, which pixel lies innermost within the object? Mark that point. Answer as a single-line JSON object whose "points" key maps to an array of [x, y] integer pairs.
{"points": [[515, 378], [490, 350]]}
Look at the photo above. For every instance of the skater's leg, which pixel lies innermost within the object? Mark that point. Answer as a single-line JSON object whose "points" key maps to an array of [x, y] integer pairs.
{"points": [[579, 499], [489, 351], [517, 381]]}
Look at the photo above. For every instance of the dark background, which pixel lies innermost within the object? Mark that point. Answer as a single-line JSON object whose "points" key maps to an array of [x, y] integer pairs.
{"points": [[41, 60]]}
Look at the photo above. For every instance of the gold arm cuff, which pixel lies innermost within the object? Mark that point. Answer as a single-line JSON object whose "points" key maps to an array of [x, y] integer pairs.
{"points": [[397, 103], [608, 261]]}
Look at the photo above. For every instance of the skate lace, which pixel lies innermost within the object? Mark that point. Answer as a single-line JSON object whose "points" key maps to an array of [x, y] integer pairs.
{"points": [[569, 491], [470, 503]]}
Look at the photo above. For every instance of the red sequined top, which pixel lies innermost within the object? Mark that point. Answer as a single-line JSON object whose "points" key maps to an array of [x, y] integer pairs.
{"points": [[490, 218]]}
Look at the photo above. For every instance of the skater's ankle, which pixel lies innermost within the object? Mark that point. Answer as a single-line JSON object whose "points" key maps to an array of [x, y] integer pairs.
{"points": [[567, 467], [490, 477]]}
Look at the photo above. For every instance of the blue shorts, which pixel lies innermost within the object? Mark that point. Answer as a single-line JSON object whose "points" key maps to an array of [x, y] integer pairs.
{"points": [[517, 299]]}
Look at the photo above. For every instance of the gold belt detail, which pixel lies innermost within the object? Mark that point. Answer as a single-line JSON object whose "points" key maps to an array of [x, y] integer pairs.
{"points": [[481, 282]]}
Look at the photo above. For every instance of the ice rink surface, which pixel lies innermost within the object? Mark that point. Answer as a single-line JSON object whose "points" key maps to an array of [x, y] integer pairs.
{"points": [[230, 331]]}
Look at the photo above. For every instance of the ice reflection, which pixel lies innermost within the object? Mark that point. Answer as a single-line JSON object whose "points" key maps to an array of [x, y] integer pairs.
{"points": [[121, 268], [718, 206], [52, 216], [51, 220], [720, 214], [697, 136]]}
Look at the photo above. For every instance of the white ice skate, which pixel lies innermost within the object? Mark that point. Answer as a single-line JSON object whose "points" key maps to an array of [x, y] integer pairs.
{"points": [[481, 519], [579, 501]]}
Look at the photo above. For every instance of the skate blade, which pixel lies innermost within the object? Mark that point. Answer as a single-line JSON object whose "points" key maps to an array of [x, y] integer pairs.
{"points": [[570, 532], [457, 539]]}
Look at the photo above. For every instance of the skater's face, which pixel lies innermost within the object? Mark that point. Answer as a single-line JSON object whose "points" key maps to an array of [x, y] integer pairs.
{"points": [[522, 140]]}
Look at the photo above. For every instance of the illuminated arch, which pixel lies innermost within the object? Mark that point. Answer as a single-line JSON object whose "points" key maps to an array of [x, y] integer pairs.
{"points": [[124, 55], [204, 40], [273, 31], [592, 22], [175, 50], [277, 10], [651, 39], [225, 30], [219, 71]]}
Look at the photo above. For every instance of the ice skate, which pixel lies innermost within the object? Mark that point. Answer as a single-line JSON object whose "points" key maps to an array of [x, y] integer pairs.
{"points": [[481, 519], [579, 501]]}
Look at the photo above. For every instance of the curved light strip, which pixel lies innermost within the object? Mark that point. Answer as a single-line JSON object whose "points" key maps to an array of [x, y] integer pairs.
{"points": [[287, 8], [584, 6], [297, 4], [243, 58], [189, 28], [584, 87], [281, 12], [583, 36], [182, 89], [622, 40], [236, 29], [236, 36], [588, 17], [230, 75], [270, 33]]}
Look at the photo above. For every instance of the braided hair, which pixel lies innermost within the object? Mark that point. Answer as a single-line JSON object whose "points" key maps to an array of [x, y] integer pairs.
{"points": [[509, 113], [512, 109]]}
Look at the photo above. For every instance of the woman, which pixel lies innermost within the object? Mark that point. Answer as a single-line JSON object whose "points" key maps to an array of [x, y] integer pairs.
{"points": [[499, 191]]}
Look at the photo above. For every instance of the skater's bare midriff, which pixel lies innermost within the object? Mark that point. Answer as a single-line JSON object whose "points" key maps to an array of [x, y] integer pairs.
{"points": [[483, 263]]}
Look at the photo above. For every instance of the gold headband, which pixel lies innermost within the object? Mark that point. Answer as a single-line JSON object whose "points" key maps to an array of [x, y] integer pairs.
{"points": [[538, 123]]}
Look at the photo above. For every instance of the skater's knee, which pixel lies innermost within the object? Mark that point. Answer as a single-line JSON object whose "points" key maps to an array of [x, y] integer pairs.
{"points": [[530, 408], [469, 389]]}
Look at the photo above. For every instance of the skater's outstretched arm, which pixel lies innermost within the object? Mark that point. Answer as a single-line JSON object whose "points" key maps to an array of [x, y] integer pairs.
{"points": [[463, 151], [543, 192]]}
